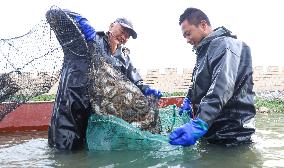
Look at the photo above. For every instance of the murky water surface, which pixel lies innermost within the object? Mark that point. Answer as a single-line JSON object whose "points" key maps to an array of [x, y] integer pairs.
{"points": [[29, 149]]}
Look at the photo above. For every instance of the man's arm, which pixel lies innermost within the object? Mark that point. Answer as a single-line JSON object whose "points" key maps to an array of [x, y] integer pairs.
{"points": [[223, 64]]}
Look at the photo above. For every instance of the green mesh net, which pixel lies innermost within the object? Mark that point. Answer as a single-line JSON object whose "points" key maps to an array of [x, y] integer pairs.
{"points": [[107, 132]]}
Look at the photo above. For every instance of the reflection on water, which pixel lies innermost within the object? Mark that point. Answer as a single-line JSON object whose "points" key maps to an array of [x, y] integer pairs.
{"points": [[29, 149], [269, 139]]}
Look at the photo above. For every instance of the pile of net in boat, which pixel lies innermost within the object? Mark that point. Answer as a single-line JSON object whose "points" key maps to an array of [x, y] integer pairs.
{"points": [[123, 118]]}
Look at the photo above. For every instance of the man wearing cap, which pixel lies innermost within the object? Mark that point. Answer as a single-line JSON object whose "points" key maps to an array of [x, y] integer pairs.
{"points": [[111, 45], [72, 108]]}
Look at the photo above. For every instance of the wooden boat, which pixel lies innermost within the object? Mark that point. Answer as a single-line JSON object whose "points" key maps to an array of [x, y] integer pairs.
{"points": [[35, 116]]}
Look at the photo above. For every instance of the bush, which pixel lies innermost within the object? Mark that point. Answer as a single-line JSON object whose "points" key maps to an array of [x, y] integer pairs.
{"points": [[167, 94], [274, 105], [43, 98]]}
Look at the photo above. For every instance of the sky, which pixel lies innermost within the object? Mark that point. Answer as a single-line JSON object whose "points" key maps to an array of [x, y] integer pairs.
{"points": [[160, 43]]}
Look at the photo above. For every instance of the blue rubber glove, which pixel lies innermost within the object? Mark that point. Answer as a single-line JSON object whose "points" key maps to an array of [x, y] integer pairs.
{"points": [[189, 133], [186, 107], [150, 91], [86, 28]]}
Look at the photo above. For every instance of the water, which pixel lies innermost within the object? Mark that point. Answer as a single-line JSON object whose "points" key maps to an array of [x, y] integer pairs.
{"points": [[29, 149]]}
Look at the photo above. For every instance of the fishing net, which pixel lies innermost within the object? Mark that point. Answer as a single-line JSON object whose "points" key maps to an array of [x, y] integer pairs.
{"points": [[123, 118], [107, 132], [29, 66], [111, 93]]}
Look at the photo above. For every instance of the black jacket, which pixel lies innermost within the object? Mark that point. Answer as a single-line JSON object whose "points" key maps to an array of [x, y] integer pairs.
{"points": [[222, 88], [120, 61], [72, 106]]}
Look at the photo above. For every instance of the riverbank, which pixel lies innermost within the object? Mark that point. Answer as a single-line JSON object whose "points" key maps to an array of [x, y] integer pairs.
{"points": [[265, 101], [269, 101]]}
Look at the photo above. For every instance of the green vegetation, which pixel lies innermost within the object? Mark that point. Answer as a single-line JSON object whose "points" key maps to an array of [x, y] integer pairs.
{"points": [[25, 98], [17, 98], [52, 97], [167, 94], [275, 105], [43, 98]]}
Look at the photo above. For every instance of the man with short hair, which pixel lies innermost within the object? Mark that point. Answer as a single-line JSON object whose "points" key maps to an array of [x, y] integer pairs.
{"points": [[221, 93], [72, 106]]}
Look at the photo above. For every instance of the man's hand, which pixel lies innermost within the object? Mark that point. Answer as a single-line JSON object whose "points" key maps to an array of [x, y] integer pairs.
{"points": [[189, 133], [155, 92], [186, 107], [86, 28]]}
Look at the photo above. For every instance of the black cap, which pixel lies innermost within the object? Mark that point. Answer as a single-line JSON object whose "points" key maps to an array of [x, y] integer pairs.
{"points": [[128, 25]]}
